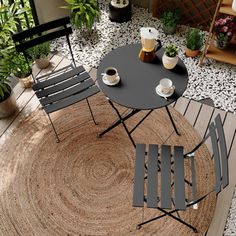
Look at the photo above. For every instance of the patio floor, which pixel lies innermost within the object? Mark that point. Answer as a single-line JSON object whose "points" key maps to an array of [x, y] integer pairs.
{"points": [[198, 114]]}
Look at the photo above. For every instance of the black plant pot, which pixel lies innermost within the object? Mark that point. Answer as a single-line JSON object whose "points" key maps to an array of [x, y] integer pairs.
{"points": [[119, 14]]}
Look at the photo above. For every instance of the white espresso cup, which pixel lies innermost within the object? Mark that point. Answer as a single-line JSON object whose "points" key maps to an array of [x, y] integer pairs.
{"points": [[110, 74], [166, 86]]}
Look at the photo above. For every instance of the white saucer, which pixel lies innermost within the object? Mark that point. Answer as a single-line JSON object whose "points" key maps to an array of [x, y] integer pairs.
{"points": [[107, 82], [165, 95]]}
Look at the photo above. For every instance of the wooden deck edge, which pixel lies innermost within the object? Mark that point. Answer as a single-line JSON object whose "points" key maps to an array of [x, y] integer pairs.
{"points": [[219, 219], [224, 199]]}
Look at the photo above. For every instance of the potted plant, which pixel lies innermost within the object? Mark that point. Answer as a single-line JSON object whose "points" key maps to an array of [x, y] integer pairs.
{"points": [[22, 70], [224, 30], [170, 57], [8, 22], [194, 42], [39, 54], [84, 13], [170, 20], [7, 99]]}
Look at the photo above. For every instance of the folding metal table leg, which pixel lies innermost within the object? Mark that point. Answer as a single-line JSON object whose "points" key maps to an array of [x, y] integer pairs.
{"points": [[172, 121], [57, 137], [120, 121], [132, 130]]}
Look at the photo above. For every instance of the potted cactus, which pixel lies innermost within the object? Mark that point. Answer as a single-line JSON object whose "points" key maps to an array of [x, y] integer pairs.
{"points": [[170, 57]]}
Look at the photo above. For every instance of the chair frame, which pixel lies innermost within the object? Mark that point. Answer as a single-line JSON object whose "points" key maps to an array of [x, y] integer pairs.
{"points": [[47, 32], [221, 176]]}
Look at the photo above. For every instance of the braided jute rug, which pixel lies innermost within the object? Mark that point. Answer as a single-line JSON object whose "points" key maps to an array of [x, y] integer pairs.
{"points": [[84, 184]]}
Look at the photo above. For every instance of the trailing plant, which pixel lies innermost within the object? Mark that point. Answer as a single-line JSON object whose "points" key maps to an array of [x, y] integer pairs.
{"points": [[84, 13], [194, 39], [171, 50], [170, 18], [39, 51]]}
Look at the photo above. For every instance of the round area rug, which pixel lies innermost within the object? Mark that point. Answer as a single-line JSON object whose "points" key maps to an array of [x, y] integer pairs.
{"points": [[84, 184]]}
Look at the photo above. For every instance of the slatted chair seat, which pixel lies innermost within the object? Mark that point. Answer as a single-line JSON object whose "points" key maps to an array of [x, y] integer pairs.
{"points": [[167, 197], [158, 166], [63, 87], [65, 90]]}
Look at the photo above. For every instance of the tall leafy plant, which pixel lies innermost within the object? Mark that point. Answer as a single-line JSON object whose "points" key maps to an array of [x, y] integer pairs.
{"points": [[84, 13], [8, 26], [5, 89]]}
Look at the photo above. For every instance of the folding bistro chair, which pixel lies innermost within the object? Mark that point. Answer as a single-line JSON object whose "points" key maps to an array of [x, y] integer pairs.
{"points": [[174, 177], [62, 87]]}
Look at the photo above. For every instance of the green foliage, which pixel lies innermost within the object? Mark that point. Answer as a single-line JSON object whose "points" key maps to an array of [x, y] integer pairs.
{"points": [[170, 18], [7, 28], [171, 50], [10, 16], [194, 39], [5, 89], [19, 66], [84, 13], [39, 51]]}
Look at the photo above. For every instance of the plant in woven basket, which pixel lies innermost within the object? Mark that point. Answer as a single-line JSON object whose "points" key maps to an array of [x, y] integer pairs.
{"points": [[194, 42], [39, 54], [170, 57], [84, 13], [21, 68], [170, 20]]}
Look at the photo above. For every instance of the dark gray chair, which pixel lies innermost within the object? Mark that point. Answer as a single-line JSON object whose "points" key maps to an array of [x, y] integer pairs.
{"points": [[62, 87], [172, 172]]}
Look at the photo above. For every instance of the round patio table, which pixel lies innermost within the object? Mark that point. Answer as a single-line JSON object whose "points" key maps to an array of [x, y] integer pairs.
{"points": [[138, 81], [136, 89]]}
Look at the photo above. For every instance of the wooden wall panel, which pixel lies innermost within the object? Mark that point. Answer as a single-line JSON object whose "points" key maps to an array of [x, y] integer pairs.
{"points": [[193, 12]]}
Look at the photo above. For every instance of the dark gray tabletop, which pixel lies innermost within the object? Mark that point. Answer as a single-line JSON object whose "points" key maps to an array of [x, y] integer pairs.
{"points": [[138, 79]]}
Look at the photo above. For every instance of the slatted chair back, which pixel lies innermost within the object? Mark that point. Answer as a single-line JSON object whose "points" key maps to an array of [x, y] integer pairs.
{"points": [[43, 33], [217, 136]]}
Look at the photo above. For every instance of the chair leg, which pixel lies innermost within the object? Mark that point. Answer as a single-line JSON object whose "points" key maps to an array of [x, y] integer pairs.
{"points": [[166, 213], [91, 112], [172, 121], [57, 137]]}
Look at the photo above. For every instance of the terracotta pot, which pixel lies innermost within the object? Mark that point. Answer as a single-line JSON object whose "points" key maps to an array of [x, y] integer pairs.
{"points": [[191, 53], [8, 106], [169, 62], [42, 63], [26, 82]]}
